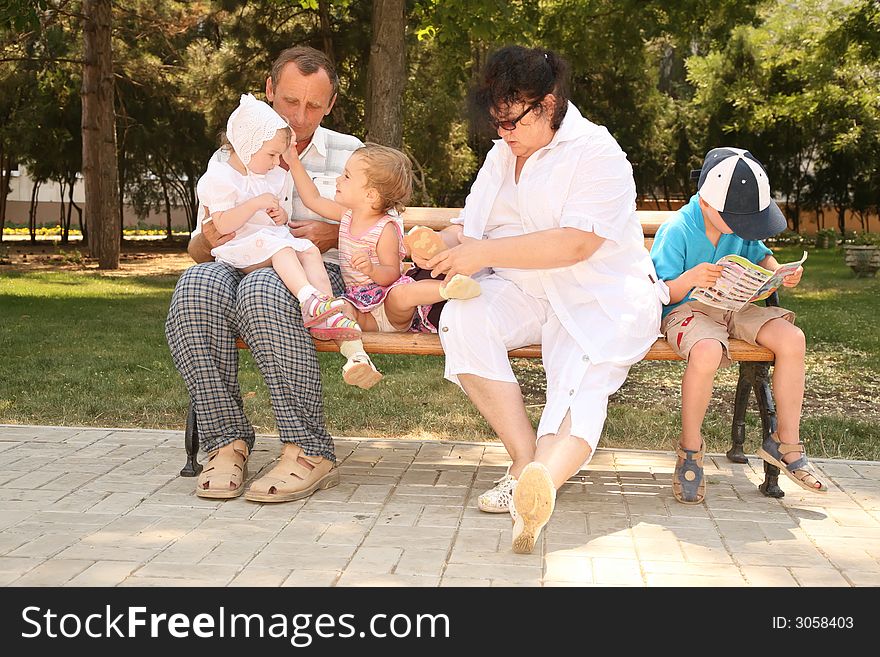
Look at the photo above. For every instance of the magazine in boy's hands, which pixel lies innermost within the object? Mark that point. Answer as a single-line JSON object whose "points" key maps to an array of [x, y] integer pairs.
{"points": [[742, 282]]}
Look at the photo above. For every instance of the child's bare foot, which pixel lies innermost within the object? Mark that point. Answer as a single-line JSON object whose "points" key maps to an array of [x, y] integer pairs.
{"points": [[359, 371], [460, 287], [423, 242]]}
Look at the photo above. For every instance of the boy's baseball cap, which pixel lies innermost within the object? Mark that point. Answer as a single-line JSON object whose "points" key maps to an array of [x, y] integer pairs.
{"points": [[734, 182]]}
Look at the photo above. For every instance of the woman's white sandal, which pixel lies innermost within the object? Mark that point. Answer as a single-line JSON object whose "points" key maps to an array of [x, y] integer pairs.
{"points": [[499, 498]]}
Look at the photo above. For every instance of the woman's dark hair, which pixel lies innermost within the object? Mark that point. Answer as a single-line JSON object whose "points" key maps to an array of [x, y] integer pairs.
{"points": [[519, 75]]}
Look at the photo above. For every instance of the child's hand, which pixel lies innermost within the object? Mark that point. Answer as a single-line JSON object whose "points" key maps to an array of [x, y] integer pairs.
{"points": [[794, 278], [278, 215], [705, 274], [360, 260], [266, 202]]}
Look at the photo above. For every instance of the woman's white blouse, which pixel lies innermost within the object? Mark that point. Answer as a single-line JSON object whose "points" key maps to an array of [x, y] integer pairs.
{"points": [[609, 303]]}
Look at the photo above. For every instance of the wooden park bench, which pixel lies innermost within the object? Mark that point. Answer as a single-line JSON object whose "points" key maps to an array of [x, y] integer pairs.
{"points": [[754, 362]]}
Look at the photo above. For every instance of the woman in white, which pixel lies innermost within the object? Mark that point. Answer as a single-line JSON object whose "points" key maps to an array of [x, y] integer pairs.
{"points": [[550, 232], [249, 196]]}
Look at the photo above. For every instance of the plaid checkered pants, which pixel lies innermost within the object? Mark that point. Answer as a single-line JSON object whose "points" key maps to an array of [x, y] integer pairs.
{"points": [[212, 304]]}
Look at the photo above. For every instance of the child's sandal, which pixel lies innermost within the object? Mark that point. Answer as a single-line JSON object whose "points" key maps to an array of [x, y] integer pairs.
{"points": [[688, 481], [316, 308], [337, 327], [800, 471]]}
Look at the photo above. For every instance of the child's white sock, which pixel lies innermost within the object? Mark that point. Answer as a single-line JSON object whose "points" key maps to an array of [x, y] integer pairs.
{"points": [[351, 348], [305, 292]]}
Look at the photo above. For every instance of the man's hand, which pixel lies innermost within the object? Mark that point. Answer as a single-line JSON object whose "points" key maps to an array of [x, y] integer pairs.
{"points": [[361, 261], [278, 215], [213, 236], [704, 274], [323, 235], [794, 278]]}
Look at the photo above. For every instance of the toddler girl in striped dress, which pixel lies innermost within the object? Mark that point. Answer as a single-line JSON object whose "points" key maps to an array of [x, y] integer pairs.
{"points": [[370, 196]]}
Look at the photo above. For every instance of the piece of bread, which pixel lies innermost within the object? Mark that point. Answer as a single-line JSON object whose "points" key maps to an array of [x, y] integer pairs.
{"points": [[424, 243]]}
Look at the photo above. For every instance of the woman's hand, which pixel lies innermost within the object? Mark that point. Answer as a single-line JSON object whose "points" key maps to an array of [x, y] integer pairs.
{"points": [[467, 258]]}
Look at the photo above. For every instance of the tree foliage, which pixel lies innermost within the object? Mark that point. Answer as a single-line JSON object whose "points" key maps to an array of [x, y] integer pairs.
{"points": [[800, 87]]}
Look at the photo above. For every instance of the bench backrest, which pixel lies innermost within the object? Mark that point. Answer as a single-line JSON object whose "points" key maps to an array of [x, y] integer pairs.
{"points": [[439, 218]]}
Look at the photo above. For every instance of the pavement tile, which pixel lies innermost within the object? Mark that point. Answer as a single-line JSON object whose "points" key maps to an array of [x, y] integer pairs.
{"points": [[568, 568], [54, 572], [768, 576], [12, 568], [366, 579], [311, 578], [421, 562], [404, 537], [376, 560], [104, 573], [663, 579], [819, 577]]}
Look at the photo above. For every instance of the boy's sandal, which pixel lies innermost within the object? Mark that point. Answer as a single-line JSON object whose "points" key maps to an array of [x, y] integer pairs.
{"points": [[359, 371], [688, 480], [800, 471], [337, 327], [224, 473], [291, 480], [316, 308]]}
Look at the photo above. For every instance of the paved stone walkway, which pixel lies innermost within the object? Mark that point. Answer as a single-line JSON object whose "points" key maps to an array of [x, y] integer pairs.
{"points": [[106, 507]]}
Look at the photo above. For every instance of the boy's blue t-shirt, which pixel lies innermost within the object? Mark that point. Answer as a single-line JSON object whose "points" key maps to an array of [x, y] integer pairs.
{"points": [[681, 244]]}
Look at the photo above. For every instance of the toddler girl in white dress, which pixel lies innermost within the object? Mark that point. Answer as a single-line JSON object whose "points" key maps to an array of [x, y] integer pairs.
{"points": [[249, 194]]}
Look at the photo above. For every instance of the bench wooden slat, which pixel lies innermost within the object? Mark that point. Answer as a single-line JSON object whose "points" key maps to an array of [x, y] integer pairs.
{"points": [[439, 218], [428, 344]]}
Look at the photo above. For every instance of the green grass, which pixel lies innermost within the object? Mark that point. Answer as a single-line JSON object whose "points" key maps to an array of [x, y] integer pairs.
{"points": [[86, 349]]}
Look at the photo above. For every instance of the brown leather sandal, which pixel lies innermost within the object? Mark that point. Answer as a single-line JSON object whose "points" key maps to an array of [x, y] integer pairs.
{"points": [[688, 479], [800, 471], [291, 480], [225, 472]]}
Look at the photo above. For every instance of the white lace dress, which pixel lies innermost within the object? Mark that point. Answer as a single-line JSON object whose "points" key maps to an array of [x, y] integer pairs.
{"points": [[223, 188]]}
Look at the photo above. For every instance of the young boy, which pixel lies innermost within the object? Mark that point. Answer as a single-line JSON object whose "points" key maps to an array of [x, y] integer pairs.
{"points": [[730, 213]]}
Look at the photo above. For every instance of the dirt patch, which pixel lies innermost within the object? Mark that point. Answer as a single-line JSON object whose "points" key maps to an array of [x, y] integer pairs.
{"points": [[137, 258]]}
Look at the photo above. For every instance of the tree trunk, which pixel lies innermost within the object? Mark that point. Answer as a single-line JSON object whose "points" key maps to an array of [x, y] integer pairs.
{"points": [[386, 74], [5, 175], [326, 34], [167, 210], [99, 136], [841, 218], [32, 213], [61, 206], [65, 227]]}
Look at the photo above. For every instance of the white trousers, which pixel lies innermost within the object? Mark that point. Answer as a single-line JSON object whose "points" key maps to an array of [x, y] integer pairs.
{"points": [[477, 334]]}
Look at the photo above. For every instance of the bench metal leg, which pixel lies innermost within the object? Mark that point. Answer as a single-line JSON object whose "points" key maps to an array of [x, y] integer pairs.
{"points": [[192, 467], [744, 387], [767, 409], [755, 376]]}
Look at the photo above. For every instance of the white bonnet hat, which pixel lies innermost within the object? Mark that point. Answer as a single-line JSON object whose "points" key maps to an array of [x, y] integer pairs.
{"points": [[251, 124]]}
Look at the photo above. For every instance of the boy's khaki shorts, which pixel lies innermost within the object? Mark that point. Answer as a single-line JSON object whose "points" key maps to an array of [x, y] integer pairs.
{"points": [[694, 321]]}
